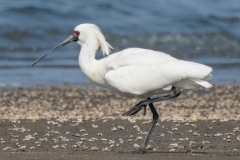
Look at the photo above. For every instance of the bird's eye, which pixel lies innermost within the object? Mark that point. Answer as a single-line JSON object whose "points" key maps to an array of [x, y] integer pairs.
{"points": [[76, 33]]}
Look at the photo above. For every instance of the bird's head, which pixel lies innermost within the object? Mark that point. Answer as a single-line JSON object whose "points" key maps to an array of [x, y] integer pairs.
{"points": [[82, 34], [91, 34]]}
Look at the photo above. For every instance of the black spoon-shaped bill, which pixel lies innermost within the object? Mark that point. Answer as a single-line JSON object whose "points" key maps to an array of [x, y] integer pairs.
{"points": [[70, 39]]}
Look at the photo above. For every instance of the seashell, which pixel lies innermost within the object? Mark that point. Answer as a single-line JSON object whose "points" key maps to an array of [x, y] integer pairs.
{"points": [[94, 148], [7, 149], [136, 146]]}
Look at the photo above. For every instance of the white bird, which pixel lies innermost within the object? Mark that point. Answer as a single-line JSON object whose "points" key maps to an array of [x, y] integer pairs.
{"points": [[135, 72]]}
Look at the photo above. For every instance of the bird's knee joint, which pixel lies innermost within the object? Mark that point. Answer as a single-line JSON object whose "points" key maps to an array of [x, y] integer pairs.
{"points": [[156, 118], [176, 92]]}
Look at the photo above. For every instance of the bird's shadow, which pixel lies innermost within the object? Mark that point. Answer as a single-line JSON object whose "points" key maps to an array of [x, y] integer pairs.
{"points": [[187, 152]]}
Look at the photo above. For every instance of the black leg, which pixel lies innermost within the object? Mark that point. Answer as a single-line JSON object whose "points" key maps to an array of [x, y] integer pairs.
{"points": [[135, 109], [144, 110], [138, 107], [154, 122]]}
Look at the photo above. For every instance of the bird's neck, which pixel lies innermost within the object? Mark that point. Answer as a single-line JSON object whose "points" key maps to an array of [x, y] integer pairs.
{"points": [[87, 60]]}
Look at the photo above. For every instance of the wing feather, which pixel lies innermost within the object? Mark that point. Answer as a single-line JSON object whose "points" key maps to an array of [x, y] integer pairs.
{"points": [[142, 71]]}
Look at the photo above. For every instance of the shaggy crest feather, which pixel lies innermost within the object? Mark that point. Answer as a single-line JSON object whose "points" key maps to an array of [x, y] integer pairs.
{"points": [[105, 46]]}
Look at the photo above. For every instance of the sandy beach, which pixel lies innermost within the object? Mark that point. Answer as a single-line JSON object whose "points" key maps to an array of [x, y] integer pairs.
{"points": [[85, 122]]}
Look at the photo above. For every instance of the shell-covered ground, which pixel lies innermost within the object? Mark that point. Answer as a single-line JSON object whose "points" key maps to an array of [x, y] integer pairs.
{"points": [[86, 122], [67, 102]]}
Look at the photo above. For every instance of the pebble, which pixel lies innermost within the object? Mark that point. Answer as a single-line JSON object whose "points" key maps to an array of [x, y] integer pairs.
{"points": [[129, 140], [139, 138], [35, 134], [172, 150], [236, 129], [32, 148], [74, 146], [120, 127], [147, 122], [85, 134], [136, 146], [111, 142], [105, 149], [112, 146], [77, 135], [23, 148], [173, 145], [83, 130], [121, 140], [17, 144], [94, 149], [84, 147], [94, 126], [100, 134], [114, 129], [207, 135], [103, 139], [28, 137], [83, 139], [63, 146], [149, 147], [191, 143], [196, 134], [56, 146], [205, 142], [238, 137], [79, 143], [169, 132], [7, 149], [217, 134]]}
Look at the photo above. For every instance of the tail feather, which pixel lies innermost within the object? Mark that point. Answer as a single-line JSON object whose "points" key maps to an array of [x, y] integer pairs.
{"points": [[195, 75], [201, 82], [192, 83]]}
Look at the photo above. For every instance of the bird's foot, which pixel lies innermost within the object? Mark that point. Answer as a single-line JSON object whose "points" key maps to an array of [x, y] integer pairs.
{"points": [[140, 151], [135, 109]]}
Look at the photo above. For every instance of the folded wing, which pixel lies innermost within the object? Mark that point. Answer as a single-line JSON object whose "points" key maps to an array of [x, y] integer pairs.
{"points": [[140, 71]]}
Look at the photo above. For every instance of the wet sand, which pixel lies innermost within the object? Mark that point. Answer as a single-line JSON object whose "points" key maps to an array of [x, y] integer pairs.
{"points": [[85, 122]]}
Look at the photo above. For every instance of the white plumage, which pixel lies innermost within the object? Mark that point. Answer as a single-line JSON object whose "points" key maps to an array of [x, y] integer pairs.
{"points": [[135, 72]]}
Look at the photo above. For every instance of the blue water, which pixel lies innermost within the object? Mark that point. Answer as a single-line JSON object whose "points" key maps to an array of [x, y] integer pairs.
{"points": [[206, 31]]}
